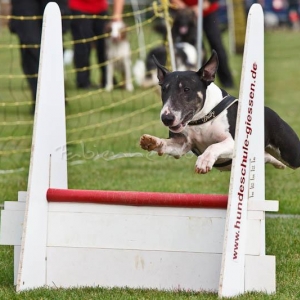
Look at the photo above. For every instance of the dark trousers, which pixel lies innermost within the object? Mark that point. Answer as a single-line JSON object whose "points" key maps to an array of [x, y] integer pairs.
{"points": [[213, 33], [29, 33], [85, 29]]}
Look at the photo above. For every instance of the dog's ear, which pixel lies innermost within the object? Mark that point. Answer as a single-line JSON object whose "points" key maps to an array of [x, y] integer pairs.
{"points": [[208, 72], [107, 27], [161, 70]]}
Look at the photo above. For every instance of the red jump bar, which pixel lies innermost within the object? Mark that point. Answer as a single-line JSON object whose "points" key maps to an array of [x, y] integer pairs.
{"points": [[138, 198]]}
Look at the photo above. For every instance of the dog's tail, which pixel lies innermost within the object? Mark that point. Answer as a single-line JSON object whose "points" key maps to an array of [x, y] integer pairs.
{"points": [[139, 72]]}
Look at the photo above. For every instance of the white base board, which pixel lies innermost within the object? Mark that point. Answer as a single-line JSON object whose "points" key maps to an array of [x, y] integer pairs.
{"points": [[139, 247], [163, 270]]}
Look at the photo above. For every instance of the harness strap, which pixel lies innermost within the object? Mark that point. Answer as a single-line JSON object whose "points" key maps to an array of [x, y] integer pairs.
{"points": [[225, 103]]}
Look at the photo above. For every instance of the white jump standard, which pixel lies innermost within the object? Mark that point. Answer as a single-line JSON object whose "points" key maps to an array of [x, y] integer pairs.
{"points": [[68, 238]]}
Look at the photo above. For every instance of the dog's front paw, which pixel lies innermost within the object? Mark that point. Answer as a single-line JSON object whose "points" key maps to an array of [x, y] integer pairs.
{"points": [[204, 163], [129, 87], [149, 143], [109, 87]]}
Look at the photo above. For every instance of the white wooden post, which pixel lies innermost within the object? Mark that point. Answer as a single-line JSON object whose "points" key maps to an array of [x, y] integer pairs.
{"points": [[247, 184], [49, 121]]}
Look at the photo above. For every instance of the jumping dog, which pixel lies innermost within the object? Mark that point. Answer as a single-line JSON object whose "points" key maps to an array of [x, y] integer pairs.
{"points": [[189, 98]]}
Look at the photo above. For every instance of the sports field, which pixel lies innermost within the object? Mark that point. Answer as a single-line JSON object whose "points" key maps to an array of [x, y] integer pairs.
{"points": [[117, 163]]}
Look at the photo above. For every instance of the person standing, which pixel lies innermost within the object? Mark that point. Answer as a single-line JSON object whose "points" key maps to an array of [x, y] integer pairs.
{"points": [[86, 28], [29, 33], [211, 28], [294, 15]]}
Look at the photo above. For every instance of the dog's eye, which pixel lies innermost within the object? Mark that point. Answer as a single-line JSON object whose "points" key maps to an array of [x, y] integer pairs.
{"points": [[186, 89]]}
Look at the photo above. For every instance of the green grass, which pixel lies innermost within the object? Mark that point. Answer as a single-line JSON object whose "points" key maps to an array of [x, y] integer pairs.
{"points": [[104, 163]]}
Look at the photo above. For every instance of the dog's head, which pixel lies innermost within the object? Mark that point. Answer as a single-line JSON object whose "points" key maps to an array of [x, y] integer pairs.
{"points": [[184, 28], [116, 30], [183, 93]]}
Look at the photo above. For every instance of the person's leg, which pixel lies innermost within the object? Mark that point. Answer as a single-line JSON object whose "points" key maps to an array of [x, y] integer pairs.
{"points": [[213, 34], [29, 33], [99, 30], [81, 29]]}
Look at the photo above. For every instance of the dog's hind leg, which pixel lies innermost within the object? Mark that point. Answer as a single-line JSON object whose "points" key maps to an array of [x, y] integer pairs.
{"points": [[281, 141], [269, 159]]}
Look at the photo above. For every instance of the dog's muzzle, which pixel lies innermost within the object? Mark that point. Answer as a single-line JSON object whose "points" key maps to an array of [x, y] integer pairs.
{"points": [[168, 119]]}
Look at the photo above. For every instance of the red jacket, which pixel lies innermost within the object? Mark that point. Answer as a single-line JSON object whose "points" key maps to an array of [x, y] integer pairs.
{"points": [[212, 8], [89, 6]]}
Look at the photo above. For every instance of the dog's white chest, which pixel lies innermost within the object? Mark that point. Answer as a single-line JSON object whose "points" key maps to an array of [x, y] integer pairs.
{"points": [[212, 132], [118, 50]]}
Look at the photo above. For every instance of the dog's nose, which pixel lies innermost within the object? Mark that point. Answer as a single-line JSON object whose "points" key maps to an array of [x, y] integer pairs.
{"points": [[168, 119]]}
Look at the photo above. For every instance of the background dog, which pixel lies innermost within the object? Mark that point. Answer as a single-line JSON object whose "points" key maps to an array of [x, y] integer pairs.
{"points": [[185, 59], [184, 26], [187, 98], [184, 35], [118, 54]]}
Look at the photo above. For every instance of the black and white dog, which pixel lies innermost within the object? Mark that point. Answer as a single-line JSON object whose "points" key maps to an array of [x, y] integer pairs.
{"points": [[184, 26], [187, 98]]}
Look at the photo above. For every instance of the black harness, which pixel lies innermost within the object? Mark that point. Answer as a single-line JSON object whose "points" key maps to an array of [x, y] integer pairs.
{"points": [[225, 103]]}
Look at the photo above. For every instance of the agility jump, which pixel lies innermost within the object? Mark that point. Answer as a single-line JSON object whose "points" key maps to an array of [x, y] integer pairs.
{"points": [[67, 238]]}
